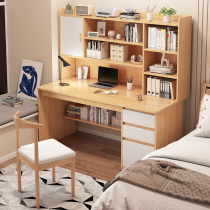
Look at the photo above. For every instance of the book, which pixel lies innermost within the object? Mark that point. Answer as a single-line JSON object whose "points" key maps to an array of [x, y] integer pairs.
{"points": [[113, 92], [12, 101], [149, 85]]}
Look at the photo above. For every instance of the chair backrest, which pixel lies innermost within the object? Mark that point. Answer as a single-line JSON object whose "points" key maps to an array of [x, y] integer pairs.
{"points": [[19, 123]]}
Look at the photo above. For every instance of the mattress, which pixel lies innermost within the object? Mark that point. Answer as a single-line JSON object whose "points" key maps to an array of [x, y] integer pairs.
{"points": [[7, 113], [126, 196]]}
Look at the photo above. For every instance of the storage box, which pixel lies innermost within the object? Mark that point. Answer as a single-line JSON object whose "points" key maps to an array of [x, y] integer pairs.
{"points": [[116, 121], [119, 53], [88, 53]]}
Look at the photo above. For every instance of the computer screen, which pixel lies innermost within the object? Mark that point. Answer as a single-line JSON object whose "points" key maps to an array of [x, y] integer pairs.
{"points": [[107, 75]]}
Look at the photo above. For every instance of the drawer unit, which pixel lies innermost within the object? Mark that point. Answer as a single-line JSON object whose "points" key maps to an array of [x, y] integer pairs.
{"points": [[120, 51], [120, 58], [133, 151], [113, 47], [113, 57], [113, 52], [139, 134], [138, 118]]}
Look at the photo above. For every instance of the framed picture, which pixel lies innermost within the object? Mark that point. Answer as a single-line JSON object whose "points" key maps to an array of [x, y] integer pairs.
{"points": [[101, 28], [30, 79]]}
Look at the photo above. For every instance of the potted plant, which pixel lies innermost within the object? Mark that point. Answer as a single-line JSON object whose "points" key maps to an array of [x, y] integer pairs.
{"points": [[167, 12], [69, 9]]}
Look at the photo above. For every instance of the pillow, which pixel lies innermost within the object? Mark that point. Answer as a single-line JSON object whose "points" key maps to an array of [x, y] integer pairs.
{"points": [[203, 127]]}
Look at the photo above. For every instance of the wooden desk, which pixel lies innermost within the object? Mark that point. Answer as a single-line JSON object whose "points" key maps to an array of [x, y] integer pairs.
{"points": [[139, 116]]}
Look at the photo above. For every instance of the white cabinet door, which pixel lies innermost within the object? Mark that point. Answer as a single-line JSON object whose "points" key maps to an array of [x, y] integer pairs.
{"points": [[133, 151], [71, 36]]}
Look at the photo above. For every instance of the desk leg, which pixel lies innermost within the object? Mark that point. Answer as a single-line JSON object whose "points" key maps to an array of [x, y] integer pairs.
{"points": [[51, 112]]}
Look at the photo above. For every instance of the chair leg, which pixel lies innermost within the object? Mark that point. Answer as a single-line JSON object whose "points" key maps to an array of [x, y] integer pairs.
{"points": [[53, 174], [37, 189], [73, 177], [19, 174]]}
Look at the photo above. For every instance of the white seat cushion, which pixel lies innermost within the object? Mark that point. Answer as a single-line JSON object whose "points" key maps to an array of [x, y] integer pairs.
{"points": [[49, 151]]}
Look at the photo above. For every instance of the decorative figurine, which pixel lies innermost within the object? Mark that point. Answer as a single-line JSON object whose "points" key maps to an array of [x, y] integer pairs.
{"points": [[139, 57], [139, 97], [163, 59]]}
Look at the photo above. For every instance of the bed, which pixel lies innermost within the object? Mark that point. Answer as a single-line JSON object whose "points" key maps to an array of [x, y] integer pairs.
{"points": [[189, 152]]}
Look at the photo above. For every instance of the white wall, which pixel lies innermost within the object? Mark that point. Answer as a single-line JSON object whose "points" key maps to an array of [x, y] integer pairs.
{"points": [[29, 36]]}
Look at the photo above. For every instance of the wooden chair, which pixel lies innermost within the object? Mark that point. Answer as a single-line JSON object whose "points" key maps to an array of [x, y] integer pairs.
{"points": [[42, 155]]}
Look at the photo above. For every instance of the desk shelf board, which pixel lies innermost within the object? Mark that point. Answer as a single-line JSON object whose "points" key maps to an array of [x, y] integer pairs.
{"points": [[161, 75], [106, 39], [97, 124]]}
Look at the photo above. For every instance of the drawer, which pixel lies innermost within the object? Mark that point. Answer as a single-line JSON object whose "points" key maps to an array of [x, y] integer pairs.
{"points": [[133, 151], [119, 48], [113, 47], [138, 118], [120, 58], [120, 53], [113, 52], [139, 134], [113, 57]]}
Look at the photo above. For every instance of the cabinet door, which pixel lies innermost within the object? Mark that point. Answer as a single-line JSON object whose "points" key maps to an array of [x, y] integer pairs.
{"points": [[133, 151], [71, 36]]}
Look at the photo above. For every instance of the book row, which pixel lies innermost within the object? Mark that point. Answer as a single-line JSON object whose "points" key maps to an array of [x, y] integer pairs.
{"points": [[133, 32], [163, 38], [91, 113], [161, 87]]}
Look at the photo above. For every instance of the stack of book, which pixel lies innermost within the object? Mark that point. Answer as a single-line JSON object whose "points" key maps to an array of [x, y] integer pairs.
{"points": [[130, 16], [161, 87], [133, 32], [73, 110], [157, 68], [12, 101], [161, 38]]}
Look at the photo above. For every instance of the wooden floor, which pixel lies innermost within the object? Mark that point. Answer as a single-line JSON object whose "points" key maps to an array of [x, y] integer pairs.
{"points": [[96, 156]]}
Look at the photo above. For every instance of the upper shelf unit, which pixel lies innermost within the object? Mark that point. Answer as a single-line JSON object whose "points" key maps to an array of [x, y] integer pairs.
{"points": [[74, 44]]}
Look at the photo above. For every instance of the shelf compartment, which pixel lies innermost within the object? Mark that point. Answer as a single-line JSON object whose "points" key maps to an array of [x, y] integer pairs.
{"points": [[106, 39], [97, 124], [161, 51], [161, 75]]}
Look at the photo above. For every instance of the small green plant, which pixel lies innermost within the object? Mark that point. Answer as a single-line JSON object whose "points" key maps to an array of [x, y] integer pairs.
{"points": [[68, 7], [167, 11]]}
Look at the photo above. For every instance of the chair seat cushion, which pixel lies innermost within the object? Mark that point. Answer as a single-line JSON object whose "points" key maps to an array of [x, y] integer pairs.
{"points": [[49, 151]]}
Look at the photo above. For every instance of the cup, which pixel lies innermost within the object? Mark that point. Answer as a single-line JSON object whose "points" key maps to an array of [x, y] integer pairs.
{"points": [[118, 36], [129, 86], [149, 17]]}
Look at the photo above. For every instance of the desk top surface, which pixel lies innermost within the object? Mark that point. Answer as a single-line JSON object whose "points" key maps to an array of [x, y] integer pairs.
{"points": [[124, 99]]}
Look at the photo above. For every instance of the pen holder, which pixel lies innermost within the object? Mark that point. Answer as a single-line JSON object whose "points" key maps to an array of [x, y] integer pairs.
{"points": [[129, 86], [149, 17]]}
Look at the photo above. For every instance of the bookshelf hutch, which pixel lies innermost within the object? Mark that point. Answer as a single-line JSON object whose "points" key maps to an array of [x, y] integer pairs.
{"points": [[145, 125]]}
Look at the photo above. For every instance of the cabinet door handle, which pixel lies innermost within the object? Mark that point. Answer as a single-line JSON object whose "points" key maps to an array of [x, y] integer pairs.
{"points": [[80, 37]]}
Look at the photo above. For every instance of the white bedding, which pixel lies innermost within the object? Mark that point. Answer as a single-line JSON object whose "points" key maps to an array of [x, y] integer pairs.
{"points": [[189, 152]]}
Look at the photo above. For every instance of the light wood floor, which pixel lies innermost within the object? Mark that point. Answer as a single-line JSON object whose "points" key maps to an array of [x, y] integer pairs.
{"points": [[96, 156]]}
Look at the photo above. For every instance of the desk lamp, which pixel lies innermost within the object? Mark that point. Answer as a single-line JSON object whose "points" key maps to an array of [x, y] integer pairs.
{"points": [[63, 65]]}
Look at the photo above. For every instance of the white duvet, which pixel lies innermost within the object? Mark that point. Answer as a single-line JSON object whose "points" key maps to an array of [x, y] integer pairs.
{"points": [[189, 152]]}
